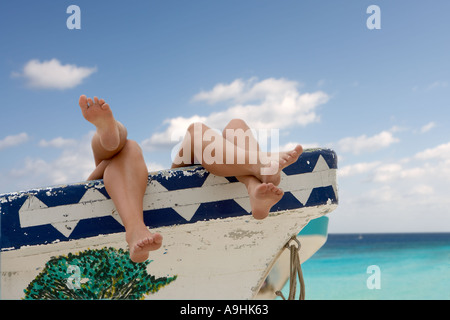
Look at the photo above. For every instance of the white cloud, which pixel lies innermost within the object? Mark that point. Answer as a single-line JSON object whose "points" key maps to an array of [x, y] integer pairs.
{"points": [[53, 75], [430, 164], [221, 92], [175, 132], [240, 91], [291, 145], [58, 143], [269, 103], [13, 140], [363, 143], [422, 190], [440, 152], [153, 166], [357, 168], [387, 172], [407, 195], [74, 163], [384, 173], [427, 127]]}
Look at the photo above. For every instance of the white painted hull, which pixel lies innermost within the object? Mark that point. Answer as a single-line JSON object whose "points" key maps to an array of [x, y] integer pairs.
{"points": [[221, 259], [216, 257]]}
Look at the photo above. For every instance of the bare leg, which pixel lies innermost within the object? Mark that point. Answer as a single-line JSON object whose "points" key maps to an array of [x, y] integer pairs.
{"points": [[121, 165], [125, 180], [262, 195], [99, 170], [194, 146], [247, 167], [224, 158]]}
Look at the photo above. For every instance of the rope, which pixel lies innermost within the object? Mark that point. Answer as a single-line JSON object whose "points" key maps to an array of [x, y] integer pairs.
{"points": [[295, 271]]}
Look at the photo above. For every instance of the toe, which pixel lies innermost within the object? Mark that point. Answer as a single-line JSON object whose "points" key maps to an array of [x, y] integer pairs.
{"points": [[139, 245], [83, 102], [263, 187], [90, 102], [157, 238]]}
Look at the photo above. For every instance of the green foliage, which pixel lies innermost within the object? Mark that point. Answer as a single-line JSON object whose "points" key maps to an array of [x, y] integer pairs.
{"points": [[105, 273]]}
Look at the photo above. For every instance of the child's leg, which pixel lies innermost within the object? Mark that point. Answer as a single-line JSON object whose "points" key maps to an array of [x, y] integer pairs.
{"points": [[239, 133], [216, 154], [194, 145], [223, 158], [262, 195], [125, 179], [243, 163], [121, 165]]}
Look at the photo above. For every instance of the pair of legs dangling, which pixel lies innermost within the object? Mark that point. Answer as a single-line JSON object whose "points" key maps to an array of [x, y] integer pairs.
{"points": [[121, 164]]}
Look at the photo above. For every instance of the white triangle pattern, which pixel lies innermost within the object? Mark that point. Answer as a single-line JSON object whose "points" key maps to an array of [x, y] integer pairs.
{"points": [[31, 204], [302, 195], [244, 203], [65, 228], [187, 211]]}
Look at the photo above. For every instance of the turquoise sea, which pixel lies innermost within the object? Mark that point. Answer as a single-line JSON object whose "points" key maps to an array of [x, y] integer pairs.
{"points": [[379, 267]]}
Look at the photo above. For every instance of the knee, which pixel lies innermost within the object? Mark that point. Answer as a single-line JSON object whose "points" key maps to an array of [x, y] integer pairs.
{"points": [[237, 122], [132, 148], [234, 124], [195, 126]]}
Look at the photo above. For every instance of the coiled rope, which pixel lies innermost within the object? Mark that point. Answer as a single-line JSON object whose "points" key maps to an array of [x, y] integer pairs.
{"points": [[295, 271]]}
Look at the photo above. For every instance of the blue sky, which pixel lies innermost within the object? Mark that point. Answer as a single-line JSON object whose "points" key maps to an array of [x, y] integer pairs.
{"points": [[379, 98]]}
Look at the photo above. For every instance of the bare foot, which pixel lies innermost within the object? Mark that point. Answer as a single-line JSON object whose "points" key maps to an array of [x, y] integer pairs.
{"points": [[140, 243], [263, 196], [100, 115], [274, 163]]}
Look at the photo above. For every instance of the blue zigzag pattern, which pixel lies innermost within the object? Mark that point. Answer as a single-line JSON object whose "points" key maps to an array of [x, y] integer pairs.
{"points": [[15, 233]]}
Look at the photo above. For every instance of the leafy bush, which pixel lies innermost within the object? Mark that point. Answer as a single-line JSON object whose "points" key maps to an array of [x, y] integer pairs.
{"points": [[105, 273]]}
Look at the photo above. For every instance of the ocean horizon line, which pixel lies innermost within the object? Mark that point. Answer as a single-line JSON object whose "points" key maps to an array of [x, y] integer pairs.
{"points": [[388, 233]]}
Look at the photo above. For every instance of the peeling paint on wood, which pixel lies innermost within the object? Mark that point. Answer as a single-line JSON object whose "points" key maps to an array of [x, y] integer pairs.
{"points": [[210, 238]]}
